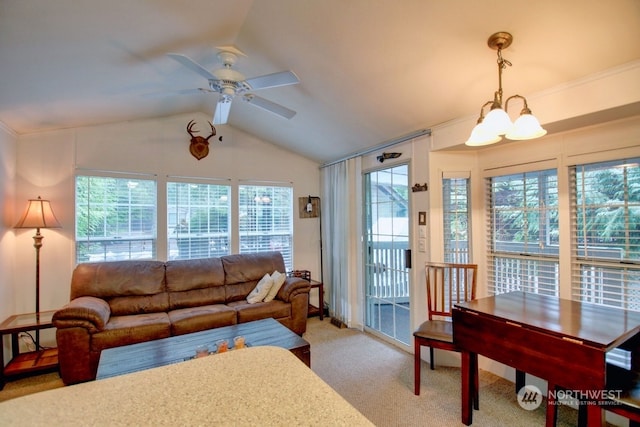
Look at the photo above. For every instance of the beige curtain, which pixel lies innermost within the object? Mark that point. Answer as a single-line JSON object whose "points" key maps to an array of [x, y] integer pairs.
{"points": [[338, 235]]}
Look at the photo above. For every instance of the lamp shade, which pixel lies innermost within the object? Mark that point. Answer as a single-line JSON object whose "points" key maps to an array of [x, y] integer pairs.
{"points": [[498, 121], [38, 215], [526, 127], [480, 135]]}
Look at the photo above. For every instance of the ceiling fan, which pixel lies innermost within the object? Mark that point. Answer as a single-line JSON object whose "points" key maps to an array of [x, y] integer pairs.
{"points": [[228, 82]]}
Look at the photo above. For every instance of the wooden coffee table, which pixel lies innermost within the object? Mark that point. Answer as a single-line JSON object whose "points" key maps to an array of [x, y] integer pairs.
{"points": [[137, 357]]}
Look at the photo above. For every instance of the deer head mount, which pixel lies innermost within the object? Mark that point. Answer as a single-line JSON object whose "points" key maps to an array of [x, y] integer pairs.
{"points": [[199, 146]]}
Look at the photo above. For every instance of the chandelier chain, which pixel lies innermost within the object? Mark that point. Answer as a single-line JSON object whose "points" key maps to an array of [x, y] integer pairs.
{"points": [[501, 61]]}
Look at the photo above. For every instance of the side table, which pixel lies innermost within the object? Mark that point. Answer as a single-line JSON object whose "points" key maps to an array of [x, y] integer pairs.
{"points": [[32, 361], [313, 310]]}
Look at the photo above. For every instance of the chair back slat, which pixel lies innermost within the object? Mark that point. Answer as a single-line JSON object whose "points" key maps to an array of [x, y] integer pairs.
{"points": [[449, 284]]}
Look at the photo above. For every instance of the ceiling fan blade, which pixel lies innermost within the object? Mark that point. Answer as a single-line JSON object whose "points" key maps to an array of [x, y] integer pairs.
{"points": [[223, 107], [269, 106], [192, 65], [283, 78]]}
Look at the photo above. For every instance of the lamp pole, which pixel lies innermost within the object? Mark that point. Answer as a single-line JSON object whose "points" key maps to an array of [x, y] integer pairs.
{"points": [[37, 243]]}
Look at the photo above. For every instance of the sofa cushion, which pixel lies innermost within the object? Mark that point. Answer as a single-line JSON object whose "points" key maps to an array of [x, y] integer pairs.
{"points": [[194, 319], [261, 310], [125, 330], [122, 306], [117, 278], [195, 282], [243, 271]]}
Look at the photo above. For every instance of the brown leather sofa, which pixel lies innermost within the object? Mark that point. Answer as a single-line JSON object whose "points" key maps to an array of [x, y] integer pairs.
{"points": [[126, 302]]}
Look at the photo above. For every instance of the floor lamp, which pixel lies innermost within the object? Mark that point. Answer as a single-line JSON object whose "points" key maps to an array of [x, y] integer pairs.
{"points": [[38, 215]]}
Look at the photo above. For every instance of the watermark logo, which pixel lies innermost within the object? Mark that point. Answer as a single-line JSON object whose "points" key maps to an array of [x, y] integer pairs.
{"points": [[581, 397], [529, 397]]}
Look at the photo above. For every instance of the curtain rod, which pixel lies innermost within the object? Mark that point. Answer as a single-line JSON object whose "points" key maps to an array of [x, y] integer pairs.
{"points": [[382, 146]]}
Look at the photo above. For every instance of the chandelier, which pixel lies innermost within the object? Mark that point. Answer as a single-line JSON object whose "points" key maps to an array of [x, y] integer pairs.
{"points": [[497, 123]]}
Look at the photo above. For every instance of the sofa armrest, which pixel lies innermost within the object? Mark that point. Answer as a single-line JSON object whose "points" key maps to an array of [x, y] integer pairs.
{"points": [[88, 312], [293, 286]]}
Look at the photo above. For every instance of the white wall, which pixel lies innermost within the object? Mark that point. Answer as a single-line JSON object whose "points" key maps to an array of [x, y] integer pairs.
{"points": [[7, 241], [46, 163]]}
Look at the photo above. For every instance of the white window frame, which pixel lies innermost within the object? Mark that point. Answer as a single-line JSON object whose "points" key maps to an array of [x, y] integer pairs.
{"points": [[513, 267], [274, 230], [597, 275], [191, 235], [456, 250], [120, 243]]}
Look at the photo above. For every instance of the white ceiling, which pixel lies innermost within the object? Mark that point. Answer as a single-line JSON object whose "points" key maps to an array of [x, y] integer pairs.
{"points": [[370, 70]]}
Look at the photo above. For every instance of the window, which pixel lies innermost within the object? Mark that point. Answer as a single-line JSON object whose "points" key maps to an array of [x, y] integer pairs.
{"points": [[115, 218], [455, 211], [605, 203], [266, 220], [198, 220], [523, 227]]}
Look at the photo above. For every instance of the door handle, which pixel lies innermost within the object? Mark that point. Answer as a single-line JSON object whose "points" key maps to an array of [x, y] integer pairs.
{"points": [[407, 258]]}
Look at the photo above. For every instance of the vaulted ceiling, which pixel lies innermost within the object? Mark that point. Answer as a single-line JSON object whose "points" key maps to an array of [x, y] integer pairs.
{"points": [[370, 70]]}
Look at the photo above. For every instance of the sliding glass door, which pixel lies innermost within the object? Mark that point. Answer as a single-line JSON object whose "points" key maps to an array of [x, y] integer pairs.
{"points": [[386, 243]]}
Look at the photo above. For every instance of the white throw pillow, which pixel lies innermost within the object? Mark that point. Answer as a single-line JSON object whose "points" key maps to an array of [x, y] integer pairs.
{"points": [[260, 291], [278, 280]]}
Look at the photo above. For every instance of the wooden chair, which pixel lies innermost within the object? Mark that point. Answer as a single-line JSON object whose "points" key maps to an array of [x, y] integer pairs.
{"points": [[447, 285]]}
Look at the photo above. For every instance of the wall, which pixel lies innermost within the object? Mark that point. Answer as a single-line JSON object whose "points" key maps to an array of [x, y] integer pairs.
{"points": [[46, 163], [7, 239]]}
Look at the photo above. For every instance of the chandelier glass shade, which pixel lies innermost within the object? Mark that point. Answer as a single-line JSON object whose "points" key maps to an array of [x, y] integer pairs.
{"points": [[497, 123]]}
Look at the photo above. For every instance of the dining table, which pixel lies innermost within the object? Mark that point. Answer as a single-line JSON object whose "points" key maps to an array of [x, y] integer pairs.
{"points": [[562, 341]]}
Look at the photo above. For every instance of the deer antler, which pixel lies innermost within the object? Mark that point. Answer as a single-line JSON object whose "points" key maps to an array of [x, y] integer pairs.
{"points": [[213, 131], [190, 129], [190, 125]]}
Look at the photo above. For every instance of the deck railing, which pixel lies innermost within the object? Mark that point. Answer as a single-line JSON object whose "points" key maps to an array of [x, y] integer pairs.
{"points": [[386, 270]]}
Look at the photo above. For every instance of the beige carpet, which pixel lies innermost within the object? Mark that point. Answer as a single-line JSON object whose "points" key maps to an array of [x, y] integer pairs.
{"points": [[377, 378]]}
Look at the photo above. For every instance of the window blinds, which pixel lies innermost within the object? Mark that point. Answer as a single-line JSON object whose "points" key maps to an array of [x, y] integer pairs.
{"points": [[523, 232], [266, 220], [605, 233], [198, 220], [456, 223], [115, 218]]}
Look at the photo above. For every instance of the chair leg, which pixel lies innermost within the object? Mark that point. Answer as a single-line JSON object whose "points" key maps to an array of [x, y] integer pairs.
{"points": [[431, 359], [416, 367]]}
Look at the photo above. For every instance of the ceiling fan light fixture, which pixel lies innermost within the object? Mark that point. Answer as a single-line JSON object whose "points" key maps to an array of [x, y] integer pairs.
{"points": [[228, 74], [228, 83], [490, 129]]}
